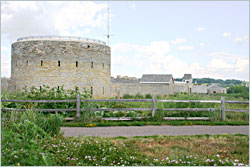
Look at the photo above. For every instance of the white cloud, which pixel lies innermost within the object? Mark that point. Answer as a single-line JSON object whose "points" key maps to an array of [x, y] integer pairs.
{"points": [[132, 5], [201, 29], [155, 47], [227, 34], [178, 40], [202, 44], [154, 59], [27, 18], [241, 39], [186, 48]]}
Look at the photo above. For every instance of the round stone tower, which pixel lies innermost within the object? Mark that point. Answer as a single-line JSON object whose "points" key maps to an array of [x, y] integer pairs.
{"points": [[58, 61]]}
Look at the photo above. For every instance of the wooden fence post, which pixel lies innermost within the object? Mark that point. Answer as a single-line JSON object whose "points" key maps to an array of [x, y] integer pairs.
{"points": [[154, 106], [223, 117], [78, 106]]}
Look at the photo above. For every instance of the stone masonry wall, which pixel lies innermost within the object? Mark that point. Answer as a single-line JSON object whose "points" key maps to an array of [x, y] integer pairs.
{"points": [[199, 89], [4, 84], [119, 89], [180, 87], [27, 70]]}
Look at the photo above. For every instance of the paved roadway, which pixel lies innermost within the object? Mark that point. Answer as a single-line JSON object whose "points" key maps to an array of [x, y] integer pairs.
{"points": [[130, 131]]}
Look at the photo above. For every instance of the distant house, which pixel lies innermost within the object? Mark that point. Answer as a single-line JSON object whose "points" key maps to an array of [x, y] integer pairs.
{"points": [[215, 88]]}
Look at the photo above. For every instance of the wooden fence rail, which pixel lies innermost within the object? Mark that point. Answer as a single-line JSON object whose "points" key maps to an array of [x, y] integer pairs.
{"points": [[78, 108]]}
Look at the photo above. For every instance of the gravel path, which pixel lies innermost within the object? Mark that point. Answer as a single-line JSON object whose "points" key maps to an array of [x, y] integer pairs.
{"points": [[153, 130]]}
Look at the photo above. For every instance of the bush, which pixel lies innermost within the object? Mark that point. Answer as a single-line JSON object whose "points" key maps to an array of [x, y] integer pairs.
{"points": [[127, 96], [148, 96]]}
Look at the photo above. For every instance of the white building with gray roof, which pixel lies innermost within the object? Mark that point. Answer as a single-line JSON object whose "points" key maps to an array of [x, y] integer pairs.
{"points": [[215, 88]]}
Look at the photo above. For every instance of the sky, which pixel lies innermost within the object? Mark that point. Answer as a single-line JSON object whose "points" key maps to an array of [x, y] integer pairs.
{"points": [[204, 38]]}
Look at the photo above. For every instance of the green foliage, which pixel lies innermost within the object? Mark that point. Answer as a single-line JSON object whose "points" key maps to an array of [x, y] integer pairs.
{"points": [[239, 91], [223, 83], [127, 96], [148, 96], [23, 135]]}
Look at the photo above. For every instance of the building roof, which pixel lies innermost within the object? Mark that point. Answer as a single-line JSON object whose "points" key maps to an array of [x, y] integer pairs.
{"points": [[187, 76], [215, 86], [156, 78]]}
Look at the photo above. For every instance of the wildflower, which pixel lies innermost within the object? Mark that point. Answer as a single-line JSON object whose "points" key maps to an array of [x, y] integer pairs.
{"points": [[167, 158], [218, 155], [207, 160], [236, 160], [15, 156]]}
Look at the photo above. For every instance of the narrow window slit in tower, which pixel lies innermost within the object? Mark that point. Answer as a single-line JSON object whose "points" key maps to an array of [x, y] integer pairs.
{"points": [[88, 46], [40, 88], [59, 64], [58, 87], [27, 62], [41, 63], [76, 63], [92, 64], [91, 90]]}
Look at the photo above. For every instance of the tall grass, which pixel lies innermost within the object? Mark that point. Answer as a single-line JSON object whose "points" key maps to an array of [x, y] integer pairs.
{"points": [[23, 134]]}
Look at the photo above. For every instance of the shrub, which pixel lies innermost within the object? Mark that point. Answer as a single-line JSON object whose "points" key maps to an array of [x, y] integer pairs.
{"points": [[148, 96], [127, 96]]}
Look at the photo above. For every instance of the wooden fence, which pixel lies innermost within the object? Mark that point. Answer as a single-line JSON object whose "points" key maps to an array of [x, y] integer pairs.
{"points": [[153, 109]]}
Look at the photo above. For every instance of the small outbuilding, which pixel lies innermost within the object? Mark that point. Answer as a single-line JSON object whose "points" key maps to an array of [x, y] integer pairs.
{"points": [[215, 88]]}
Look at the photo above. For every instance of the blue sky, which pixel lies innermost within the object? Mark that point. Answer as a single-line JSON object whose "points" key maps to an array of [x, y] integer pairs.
{"points": [[207, 39]]}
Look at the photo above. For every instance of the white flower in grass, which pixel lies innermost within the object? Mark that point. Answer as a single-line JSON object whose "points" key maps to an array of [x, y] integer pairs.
{"points": [[236, 160], [15, 156], [218, 155]]}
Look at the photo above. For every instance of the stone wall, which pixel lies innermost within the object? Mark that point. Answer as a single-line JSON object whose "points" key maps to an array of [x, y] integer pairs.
{"points": [[180, 87], [4, 84], [199, 89], [83, 64], [119, 89]]}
